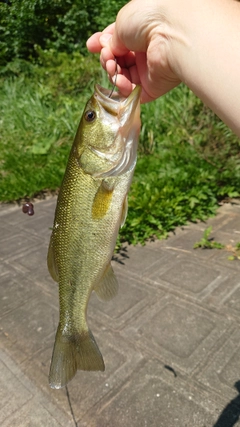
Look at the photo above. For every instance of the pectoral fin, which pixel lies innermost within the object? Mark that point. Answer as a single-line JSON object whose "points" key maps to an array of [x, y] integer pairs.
{"points": [[51, 263], [108, 287], [102, 201]]}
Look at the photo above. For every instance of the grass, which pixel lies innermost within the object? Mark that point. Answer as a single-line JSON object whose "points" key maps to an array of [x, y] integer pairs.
{"points": [[188, 159], [35, 138], [208, 242], [39, 118]]}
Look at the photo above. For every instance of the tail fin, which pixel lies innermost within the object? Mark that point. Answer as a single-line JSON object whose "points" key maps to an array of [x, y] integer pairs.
{"points": [[70, 353]]}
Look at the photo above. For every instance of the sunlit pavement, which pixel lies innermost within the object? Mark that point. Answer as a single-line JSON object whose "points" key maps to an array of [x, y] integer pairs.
{"points": [[170, 339]]}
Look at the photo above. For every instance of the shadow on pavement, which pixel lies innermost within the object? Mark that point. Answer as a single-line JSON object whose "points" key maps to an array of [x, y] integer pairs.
{"points": [[231, 414]]}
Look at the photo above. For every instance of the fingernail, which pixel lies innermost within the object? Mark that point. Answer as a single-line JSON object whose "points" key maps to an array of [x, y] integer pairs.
{"points": [[104, 39]]}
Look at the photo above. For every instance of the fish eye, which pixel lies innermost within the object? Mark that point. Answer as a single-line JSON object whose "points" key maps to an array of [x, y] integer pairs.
{"points": [[90, 115]]}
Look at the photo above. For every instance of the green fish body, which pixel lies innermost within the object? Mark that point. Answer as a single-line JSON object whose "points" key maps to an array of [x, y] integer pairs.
{"points": [[91, 207]]}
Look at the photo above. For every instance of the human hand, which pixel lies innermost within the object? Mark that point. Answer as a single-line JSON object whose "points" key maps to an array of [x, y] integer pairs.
{"points": [[138, 40], [160, 43]]}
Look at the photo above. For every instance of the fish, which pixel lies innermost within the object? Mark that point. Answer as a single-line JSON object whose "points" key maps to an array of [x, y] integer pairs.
{"points": [[91, 207]]}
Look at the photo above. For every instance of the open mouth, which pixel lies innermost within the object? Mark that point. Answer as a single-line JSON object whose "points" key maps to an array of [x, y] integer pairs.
{"points": [[117, 103]]}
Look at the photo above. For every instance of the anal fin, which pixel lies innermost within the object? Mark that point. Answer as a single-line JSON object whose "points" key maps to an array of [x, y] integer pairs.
{"points": [[108, 286]]}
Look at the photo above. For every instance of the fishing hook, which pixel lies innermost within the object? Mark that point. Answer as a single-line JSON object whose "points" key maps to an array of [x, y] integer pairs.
{"points": [[115, 79]]}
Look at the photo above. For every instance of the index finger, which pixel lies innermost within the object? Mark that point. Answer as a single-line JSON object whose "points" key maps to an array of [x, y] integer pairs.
{"points": [[93, 43]]}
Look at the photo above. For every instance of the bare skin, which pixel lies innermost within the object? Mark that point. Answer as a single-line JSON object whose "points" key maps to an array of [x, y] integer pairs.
{"points": [[160, 43]]}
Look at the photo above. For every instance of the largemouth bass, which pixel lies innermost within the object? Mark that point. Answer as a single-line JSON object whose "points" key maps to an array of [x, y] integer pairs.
{"points": [[91, 207]]}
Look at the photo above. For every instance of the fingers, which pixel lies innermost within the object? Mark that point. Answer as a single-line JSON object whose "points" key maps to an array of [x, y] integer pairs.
{"points": [[105, 57], [124, 84], [110, 46], [93, 43], [100, 39]]}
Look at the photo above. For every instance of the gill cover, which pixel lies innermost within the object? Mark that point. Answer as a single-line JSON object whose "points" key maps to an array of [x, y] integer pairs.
{"points": [[111, 149]]}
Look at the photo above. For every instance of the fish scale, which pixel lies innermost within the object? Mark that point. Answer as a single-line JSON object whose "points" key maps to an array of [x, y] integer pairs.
{"points": [[91, 207]]}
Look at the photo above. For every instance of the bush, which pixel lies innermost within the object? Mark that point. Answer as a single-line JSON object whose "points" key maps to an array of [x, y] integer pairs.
{"points": [[63, 25]]}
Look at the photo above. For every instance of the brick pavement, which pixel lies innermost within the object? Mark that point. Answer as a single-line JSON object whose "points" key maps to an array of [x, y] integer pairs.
{"points": [[170, 339]]}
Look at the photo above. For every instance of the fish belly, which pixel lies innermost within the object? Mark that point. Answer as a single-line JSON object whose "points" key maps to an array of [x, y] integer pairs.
{"points": [[88, 216]]}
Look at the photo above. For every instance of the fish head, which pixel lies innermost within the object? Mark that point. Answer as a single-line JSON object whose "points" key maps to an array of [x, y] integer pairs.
{"points": [[107, 138]]}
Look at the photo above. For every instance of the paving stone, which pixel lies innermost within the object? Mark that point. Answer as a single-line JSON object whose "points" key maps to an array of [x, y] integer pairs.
{"points": [[4, 269], [140, 259], [232, 226], [226, 295], [87, 388], [13, 394], [186, 242], [6, 208], [188, 275], [132, 297], [179, 333], [225, 214], [31, 414], [46, 283], [26, 403], [46, 206], [147, 399], [184, 274], [14, 293], [17, 244], [14, 216], [38, 225], [176, 308], [221, 258], [29, 325], [6, 232], [33, 259], [233, 299], [220, 372]]}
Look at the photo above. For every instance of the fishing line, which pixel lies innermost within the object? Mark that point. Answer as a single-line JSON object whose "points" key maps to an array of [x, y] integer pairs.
{"points": [[70, 406], [115, 79]]}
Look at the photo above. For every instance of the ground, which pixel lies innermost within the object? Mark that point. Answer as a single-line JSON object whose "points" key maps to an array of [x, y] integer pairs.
{"points": [[170, 339]]}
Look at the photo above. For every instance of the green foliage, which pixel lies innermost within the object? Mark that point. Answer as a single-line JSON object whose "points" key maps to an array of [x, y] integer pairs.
{"points": [[62, 25], [169, 189], [60, 72], [206, 242], [39, 118], [181, 117], [35, 144], [188, 159], [176, 180], [180, 175]]}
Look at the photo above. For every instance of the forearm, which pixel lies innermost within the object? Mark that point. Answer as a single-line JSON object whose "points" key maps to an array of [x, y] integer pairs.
{"points": [[204, 52]]}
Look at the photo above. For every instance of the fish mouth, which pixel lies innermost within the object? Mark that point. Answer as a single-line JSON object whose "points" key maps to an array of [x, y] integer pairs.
{"points": [[117, 101], [123, 153]]}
